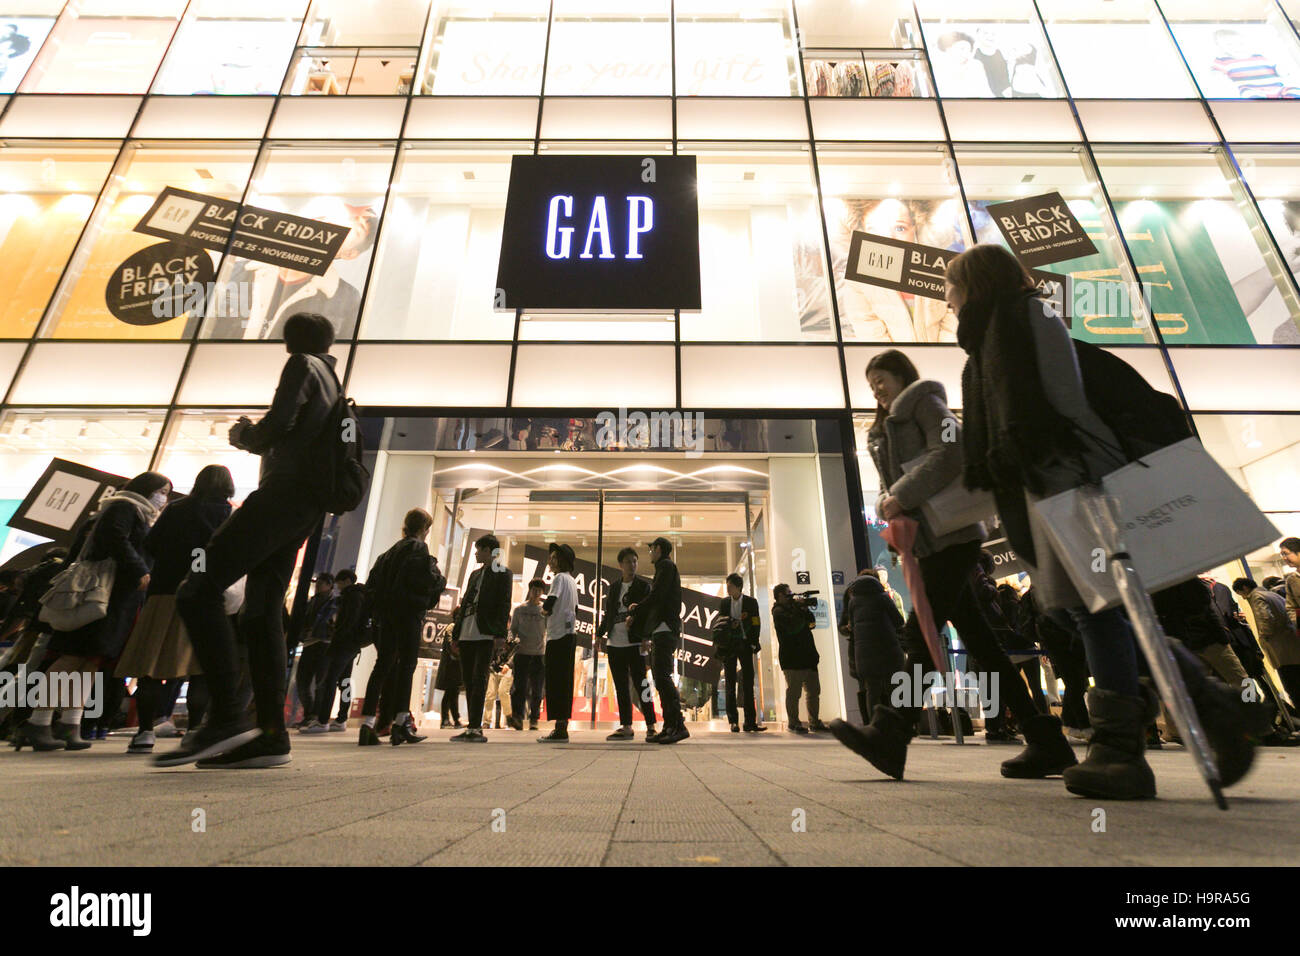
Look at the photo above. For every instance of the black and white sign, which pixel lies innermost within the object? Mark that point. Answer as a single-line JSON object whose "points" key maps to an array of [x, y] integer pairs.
{"points": [[154, 284], [1057, 291], [1005, 560], [902, 266], [65, 494], [600, 232], [264, 235], [1041, 229]]}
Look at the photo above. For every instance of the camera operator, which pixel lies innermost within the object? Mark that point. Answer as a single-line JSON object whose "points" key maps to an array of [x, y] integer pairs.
{"points": [[793, 621], [735, 637]]}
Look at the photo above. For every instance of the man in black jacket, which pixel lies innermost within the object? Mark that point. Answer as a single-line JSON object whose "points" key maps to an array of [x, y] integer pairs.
{"points": [[627, 665], [349, 633], [797, 653], [658, 619], [261, 540], [736, 638], [481, 630]]}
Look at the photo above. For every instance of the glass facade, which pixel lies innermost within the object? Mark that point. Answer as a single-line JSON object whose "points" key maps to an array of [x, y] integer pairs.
{"points": [[810, 120]]}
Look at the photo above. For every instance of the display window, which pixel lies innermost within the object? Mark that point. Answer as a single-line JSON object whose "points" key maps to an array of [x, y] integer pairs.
{"points": [[350, 71], [332, 187], [365, 23], [859, 73], [231, 48], [610, 48], [720, 55], [1200, 248], [196, 439], [23, 30], [1001, 54], [84, 305], [105, 46], [1253, 53], [492, 49], [436, 265], [851, 23], [1105, 306], [48, 195], [1140, 57], [906, 194], [762, 260], [1271, 177]]}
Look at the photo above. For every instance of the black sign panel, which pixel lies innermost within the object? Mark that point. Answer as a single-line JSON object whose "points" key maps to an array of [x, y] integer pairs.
{"points": [[600, 232], [63, 496], [264, 235], [1041, 229], [1005, 560], [159, 283], [894, 264], [1057, 291]]}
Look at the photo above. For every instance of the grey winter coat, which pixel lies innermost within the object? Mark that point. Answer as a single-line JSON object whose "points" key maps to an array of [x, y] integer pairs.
{"points": [[916, 425]]}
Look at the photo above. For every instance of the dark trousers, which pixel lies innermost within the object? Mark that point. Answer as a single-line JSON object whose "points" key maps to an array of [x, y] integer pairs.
{"points": [[947, 577], [312, 664], [261, 539], [559, 677], [1065, 651], [665, 650], [530, 680], [1290, 674], [746, 661], [338, 675], [475, 658], [389, 688], [627, 667], [451, 705], [800, 682]]}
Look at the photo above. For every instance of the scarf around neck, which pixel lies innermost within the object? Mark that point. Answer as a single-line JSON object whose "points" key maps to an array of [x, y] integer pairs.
{"points": [[141, 504]]}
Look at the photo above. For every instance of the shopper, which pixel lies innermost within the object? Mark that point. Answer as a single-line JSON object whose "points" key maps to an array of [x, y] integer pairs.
{"points": [[560, 609], [1277, 635], [658, 621], [481, 630], [1290, 551], [1044, 415], [322, 610], [627, 665], [1064, 649], [261, 540], [914, 427], [405, 582], [159, 649], [528, 629], [116, 531], [792, 623], [874, 623], [501, 678], [351, 633], [738, 631], [448, 680]]}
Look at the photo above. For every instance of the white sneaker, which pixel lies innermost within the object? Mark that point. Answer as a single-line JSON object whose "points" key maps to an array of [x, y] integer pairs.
{"points": [[313, 726], [165, 728], [338, 726], [141, 743]]}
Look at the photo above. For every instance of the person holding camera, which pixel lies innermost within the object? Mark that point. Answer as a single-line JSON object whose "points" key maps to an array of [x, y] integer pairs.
{"points": [[658, 619], [627, 665], [793, 622], [480, 630], [561, 610], [735, 638]]}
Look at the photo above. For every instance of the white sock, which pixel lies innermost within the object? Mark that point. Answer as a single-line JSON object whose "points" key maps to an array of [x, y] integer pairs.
{"points": [[368, 722], [41, 717], [70, 716]]}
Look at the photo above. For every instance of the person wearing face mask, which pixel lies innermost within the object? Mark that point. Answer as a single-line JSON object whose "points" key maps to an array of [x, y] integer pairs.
{"points": [[116, 531], [914, 426]]}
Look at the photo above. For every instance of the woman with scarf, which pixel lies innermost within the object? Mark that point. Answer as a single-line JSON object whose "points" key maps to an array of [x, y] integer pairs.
{"points": [[1045, 414], [116, 531], [915, 428]]}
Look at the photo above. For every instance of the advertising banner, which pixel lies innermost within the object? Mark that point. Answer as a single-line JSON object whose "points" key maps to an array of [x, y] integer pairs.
{"points": [[1041, 229], [62, 497], [893, 264]]}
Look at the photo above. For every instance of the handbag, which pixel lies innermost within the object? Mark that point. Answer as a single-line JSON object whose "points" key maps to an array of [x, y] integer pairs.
{"points": [[79, 594], [232, 599], [1179, 513], [956, 506]]}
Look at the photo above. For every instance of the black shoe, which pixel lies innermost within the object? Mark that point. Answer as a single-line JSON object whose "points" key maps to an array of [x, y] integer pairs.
{"points": [[532, 725], [209, 741], [515, 723], [735, 728], [555, 737], [368, 737], [471, 736], [797, 729], [755, 729], [672, 736], [1047, 754], [623, 733], [882, 743], [265, 750], [1115, 768], [817, 727], [70, 734], [651, 735], [403, 734], [999, 736], [38, 737]]}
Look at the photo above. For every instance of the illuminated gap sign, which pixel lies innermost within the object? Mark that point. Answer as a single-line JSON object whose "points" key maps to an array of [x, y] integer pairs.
{"points": [[608, 233]]}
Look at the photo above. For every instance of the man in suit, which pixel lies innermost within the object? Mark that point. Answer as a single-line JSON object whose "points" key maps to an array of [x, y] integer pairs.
{"points": [[658, 619], [481, 630], [736, 640], [627, 666]]}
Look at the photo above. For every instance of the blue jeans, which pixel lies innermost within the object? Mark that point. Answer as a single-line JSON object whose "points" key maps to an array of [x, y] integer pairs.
{"points": [[1111, 647]]}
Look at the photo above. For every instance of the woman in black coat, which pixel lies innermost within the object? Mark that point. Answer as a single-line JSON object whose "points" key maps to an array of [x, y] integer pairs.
{"points": [[116, 531], [159, 649]]}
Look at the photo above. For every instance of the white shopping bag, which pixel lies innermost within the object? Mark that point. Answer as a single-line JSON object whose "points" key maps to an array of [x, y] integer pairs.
{"points": [[956, 506], [1180, 514]]}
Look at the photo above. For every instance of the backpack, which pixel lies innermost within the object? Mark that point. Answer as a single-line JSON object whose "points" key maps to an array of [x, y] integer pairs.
{"points": [[343, 477], [1142, 418], [419, 582]]}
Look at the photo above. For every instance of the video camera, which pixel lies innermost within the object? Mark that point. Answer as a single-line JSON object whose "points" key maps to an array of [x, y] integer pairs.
{"points": [[806, 598]]}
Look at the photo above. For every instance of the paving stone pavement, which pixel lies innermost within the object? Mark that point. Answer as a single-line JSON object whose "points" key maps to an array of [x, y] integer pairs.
{"points": [[712, 800]]}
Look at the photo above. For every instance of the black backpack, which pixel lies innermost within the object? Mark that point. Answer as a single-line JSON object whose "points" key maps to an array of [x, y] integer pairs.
{"points": [[342, 475]]}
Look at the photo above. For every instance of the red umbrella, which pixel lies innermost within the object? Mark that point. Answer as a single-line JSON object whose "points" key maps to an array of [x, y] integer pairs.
{"points": [[901, 535]]}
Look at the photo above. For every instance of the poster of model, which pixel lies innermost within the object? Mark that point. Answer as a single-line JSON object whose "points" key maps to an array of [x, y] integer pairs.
{"points": [[1250, 60], [1283, 219], [20, 41], [990, 59]]}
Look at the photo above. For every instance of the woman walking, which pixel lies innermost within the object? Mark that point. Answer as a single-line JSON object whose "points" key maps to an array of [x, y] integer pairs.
{"points": [[914, 427], [159, 649]]}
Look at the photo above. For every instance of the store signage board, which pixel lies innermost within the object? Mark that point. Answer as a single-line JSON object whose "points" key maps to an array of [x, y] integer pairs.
{"points": [[264, 235], [893, 264], [609, 233], [152, 285], [1057, 291], [1005, 560], [1042, 230], [64, 495]]}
